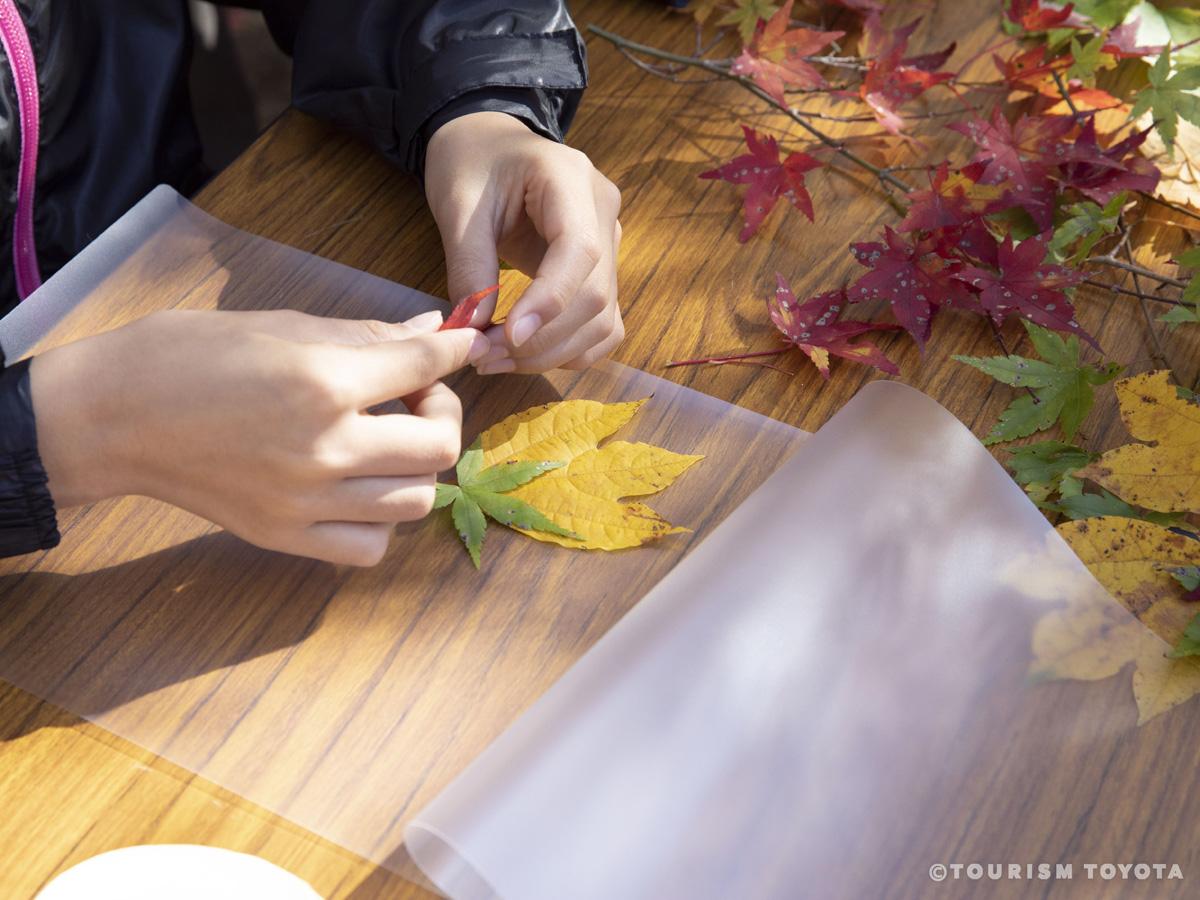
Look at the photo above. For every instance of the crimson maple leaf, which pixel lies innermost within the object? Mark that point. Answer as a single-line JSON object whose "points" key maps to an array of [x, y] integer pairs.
{"points": [[813, 326], [910, 277], [1024, 71], [1002, 151], [1025, 286], [460, 316], [774, 59], [768, 179], [952, 201], [1101, 174], [1032, 16], [893, 80], [862, 6]]}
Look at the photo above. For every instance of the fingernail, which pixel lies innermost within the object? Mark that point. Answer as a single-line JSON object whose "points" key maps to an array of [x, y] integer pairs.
{"points": [[498, 351], [496, 368], [479, 346], [524, 328], [426, 321]]}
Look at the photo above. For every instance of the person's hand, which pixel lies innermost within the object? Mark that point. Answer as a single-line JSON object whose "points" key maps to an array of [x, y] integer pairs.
{"points": [[257, 421], [497, 190]]}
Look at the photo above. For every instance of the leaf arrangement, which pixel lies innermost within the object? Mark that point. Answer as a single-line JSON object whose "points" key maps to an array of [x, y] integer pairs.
{"points": [[1081, 122], [542, 472]]}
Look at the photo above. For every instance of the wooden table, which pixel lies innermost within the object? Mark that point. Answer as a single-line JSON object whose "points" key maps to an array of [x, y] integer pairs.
{"points": [[70, 790]]}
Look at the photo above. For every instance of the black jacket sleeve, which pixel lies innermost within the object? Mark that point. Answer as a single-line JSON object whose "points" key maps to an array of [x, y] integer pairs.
{"points": [[392, 71], [27, 517]]}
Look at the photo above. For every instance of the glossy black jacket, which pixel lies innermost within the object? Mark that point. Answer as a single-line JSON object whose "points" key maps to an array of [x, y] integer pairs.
{"points": [[116, 120]]}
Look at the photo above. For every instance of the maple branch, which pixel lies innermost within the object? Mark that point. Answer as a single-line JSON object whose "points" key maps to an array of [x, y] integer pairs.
{"points": [[1157, 352], [1094, 282], [722, 360], [1066, 95], [839, 147], [1133, 267]]}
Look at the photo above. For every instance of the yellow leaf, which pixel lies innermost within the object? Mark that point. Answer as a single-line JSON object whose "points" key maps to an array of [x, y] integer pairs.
{"points": [[1160, 682], [1086, 641], [585, 495], [1163, 475], [1129, 557], [1091, 637], [1180, 182]]}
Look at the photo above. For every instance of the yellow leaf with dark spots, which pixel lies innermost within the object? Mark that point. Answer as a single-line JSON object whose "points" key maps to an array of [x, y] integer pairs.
{"points": [[1164, 474]]}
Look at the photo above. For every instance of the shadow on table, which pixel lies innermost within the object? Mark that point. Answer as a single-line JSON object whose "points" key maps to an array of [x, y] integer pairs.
{"points": [[95, 641]]}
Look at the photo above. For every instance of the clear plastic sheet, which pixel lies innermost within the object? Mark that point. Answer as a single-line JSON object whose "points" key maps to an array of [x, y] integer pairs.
{"points": [[341, 699], [818, 701], [827, 695]]}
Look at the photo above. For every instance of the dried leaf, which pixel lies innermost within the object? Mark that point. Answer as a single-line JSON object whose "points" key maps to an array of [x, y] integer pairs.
{"points": [[1162, 475], [583, 497], [460, 316]]}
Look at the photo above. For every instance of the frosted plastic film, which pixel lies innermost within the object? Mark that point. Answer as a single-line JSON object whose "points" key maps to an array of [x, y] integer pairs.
{"points": [[342, 699], [800, 706], [825, 696]]}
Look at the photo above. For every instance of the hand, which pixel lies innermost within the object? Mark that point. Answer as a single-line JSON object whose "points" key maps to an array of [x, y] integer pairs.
{"points": [[255, 421], [496, 190]]}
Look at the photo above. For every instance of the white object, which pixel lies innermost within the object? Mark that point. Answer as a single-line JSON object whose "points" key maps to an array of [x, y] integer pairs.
{"points": [[178, 872]]}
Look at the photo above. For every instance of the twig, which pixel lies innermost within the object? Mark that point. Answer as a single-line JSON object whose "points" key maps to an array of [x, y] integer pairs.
{"points": [[1131, 267], [722, 360], [1131, 293], [1157, 352], [1066, 95], [885, 177]]}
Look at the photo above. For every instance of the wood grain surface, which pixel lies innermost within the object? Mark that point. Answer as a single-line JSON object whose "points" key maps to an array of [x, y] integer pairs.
{"points": [[162, 593]]}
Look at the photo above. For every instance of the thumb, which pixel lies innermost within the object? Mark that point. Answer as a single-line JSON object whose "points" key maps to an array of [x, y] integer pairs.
{"points": [[472, 263]]}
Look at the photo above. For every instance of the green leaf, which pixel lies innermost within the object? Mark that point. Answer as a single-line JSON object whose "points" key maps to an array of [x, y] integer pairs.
{"points": [[1188, 576], [1061, 386], [508, 475], [470, 524], [470, 462], [1088, 224], [444, 495], [517, 513], [1169, 99], [1048, 461], [1104, 13], [1088, 58], [746, 15], [1173, 27], [1085, 506], [1189, 643], [482, 491]]}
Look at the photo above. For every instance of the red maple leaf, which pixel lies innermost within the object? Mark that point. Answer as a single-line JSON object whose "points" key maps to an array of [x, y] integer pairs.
{"points": [[768, 179], [892, 79], [952, 201], [1024, 71], [862, 6], [1003, 149], [911, 277], [1032, 16], [460, 316], [814, 327], [1025, 286], [1101, 174], [774, 59]]}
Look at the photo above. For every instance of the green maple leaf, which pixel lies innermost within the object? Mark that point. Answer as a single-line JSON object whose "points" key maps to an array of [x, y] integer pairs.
{"points": [[1191, 294], [1088, 223], [1104, 13], [1168, 98], [481, 493], [1048, 468], [1088, 58], [1060, 384], [746, 15]]}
